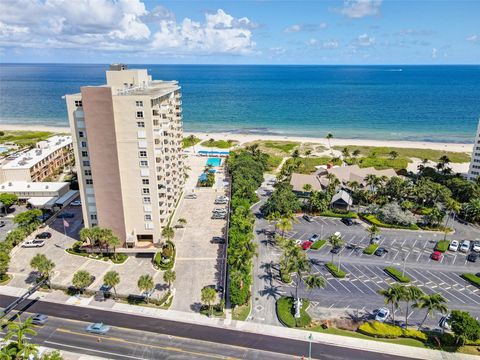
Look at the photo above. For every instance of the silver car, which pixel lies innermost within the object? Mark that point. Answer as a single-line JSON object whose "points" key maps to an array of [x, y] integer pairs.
{"points": [[39, 319]]}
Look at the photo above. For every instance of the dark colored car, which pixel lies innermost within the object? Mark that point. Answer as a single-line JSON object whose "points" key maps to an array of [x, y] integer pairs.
{"points": [[381, 251], [217, 240], [2, 223], [66, 215], [336, 250], [308, 218], [348, 221], [44, 235], [473, 257]]}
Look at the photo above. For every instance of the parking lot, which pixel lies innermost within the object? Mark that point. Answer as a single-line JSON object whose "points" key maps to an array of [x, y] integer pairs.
{"points": [[199, 262], [358, 292]]}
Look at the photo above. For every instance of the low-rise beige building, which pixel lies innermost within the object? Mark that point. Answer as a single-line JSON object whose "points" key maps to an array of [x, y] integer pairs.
{"points": [[39, 163], [127, 137]]}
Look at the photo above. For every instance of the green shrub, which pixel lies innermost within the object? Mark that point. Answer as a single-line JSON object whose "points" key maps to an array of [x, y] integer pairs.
{"points": [[372, 219], [347, 214], [382, 330], [317, 245], [216, 310], [286, 312], [397, 274], [370, 249], [221, 144], [442, 245], [414, 334], [306, 165], [187, 142], [475, 280], [168, 252], [335, 271]]}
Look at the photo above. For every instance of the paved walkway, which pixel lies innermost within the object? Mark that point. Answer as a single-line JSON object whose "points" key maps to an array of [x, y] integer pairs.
{"points": [[281, 332]]}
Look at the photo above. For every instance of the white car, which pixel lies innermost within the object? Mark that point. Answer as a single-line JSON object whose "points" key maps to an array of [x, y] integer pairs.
{"points": [[381, 314], [33, 243], [191, 196], [465, 247], [76, 203], [453, 245], [476, 246]]}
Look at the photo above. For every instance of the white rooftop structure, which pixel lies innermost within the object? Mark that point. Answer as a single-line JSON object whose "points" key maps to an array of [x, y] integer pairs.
{"points": [[31, 187], [40, 152]]}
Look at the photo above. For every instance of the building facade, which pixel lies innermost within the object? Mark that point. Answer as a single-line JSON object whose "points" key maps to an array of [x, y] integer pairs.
{"points": [[127, 138], [474, 169], [39, 163]]}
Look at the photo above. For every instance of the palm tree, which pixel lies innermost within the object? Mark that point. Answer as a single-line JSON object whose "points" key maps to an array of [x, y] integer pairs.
{"points": [[329, 136], [373, 181], [453, 207], [295, 154], [146, 285], [182, 222], [335, 241], [356, 154], [43, 265], [373, 231], [192, 140], [274, 217], [392, 295], [20, 330], [393, 154], [208, 297], [81, 279], [112, 278], [433, 302], [168, 233], [308, 152], [411, 293], [313, 281], [169, 277], [345, 153], [112, 241]]}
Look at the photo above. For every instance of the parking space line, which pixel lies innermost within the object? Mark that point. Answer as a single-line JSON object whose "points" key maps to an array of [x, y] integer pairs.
{"points": [[342, 284]]}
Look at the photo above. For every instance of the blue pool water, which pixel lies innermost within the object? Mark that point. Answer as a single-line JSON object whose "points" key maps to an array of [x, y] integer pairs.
{"points": [[3, 149], [214, 161]]}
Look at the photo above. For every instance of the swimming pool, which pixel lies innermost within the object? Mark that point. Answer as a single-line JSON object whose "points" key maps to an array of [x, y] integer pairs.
{"points": [[3, 149], [214, 161]]}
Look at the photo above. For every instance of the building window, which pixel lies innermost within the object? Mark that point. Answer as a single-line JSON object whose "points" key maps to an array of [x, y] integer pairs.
{"points": [[146, 199], [145, 181], [143, 163], [86, 163], [139, 114], [148, 217], [139, 103], [88, 172], [80, 134], [145, 191], [89, 181], [157, 141], [142, 153], [78, 102], [84, 144], [155, 122], [140, 124], [85, 153], [93, 216]]}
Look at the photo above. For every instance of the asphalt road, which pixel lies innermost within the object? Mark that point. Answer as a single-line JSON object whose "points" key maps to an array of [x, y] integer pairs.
{"points": [[178, 340]]}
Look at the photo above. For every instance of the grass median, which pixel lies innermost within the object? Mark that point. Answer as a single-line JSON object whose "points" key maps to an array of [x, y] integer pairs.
{"points": [[317, 245], [397, 274], [473, 279], [335, 271], [370, 249]]}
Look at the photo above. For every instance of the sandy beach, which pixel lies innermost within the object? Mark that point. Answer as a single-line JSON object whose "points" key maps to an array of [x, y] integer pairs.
{"points": [[244, 138]]}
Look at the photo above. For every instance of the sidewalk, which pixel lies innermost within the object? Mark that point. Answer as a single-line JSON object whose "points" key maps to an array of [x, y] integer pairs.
{"points": [[276, 331]]}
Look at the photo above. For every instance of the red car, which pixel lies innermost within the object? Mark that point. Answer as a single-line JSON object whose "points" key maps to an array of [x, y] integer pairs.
{"points": [[437, 255], [307, 245]]}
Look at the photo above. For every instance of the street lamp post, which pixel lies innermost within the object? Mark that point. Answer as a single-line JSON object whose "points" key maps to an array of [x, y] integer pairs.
{"points": [[310, 338]]}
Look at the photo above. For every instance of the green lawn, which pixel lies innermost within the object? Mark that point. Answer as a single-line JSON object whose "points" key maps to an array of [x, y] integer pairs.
{"points": [[381, 163], [285, 312], [187, 142], [221, 144], [317, 245], [285, 146], [370, 249], [273, 162], [434, 155], [241, 312], [24, 137], [306, 165]]}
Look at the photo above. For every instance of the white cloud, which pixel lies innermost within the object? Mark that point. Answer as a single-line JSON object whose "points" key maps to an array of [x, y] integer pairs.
{"points": [[278, 50], [293, 29], [474, 39], [305, 27], [363, 41], [220, 33], [414, 32], [360, 8], [327, 44], [434, 53]]}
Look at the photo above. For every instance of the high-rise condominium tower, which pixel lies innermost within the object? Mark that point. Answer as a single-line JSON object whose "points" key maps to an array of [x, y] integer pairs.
{"points": [[474, 170], [127, 138]]}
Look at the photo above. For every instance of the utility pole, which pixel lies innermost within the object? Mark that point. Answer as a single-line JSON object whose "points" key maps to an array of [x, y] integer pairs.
{"points": [[310, 338]]}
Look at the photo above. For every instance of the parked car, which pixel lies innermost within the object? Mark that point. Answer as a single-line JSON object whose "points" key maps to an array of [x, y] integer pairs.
{"points": [[218, 240], [44, 235], [306, 245], [65, 215], [220, 210], [308, 218], [314, 237], [222, 198], [39, 319], [33, 243], [436, 255], [219, 216], [465, 247], [477, 274], [381, 314], [220, 202], [298, 242], [98, 328], [348, 221], [476, 246], [76, 203], [453, 245], [336, 249], [191, 196], [376, 239], [473, 257], [381, 251], [2, 223]]}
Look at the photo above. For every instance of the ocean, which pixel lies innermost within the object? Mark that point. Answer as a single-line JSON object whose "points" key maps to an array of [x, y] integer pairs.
{"points": [[419, 103]]}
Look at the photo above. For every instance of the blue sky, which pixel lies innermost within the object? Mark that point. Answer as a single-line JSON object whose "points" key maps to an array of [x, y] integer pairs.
{"points": [[241, 32]]}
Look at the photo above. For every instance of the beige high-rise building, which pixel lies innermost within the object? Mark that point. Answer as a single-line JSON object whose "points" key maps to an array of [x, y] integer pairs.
{"points": [[474, 170], [127, 138]]}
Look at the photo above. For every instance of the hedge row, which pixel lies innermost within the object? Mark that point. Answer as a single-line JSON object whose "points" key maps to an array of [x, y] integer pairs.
{"points": [[317, 245], [386, 331], [330, 213], [397, 274], [375, 221], [442, 245], [335, 271], [475, 280], [158, 258], [370, 249]]}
